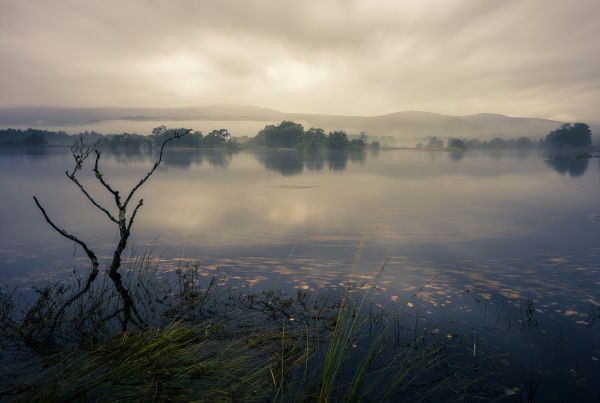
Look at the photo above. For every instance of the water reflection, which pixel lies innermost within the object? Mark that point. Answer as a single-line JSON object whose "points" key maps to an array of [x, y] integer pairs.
{"points": [[571, 166], [456, 155], [294, 162], [403, 199], [180, 158], [503, 245]]}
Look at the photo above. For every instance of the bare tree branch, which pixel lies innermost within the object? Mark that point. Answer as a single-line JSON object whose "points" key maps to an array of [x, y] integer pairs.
{"points": [[92, 276], [80, 154], [100, 177], [176, 135], [140, 204], [91, 255], [74, 179]]}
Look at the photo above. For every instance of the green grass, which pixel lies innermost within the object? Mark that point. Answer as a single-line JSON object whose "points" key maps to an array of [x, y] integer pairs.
{"points": [[178, 363]]}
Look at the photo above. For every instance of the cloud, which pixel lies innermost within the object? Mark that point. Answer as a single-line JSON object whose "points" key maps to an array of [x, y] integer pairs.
{"points": [[524, 58]]}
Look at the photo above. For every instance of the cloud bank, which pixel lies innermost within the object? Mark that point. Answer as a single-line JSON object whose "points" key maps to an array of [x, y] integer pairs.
{"points": [[516, 57]]}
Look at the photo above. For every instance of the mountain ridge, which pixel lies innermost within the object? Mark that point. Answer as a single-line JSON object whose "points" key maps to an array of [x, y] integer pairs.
{"points": [[402, 124]]}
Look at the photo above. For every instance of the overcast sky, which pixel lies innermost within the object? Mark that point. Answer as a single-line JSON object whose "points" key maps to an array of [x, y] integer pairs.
{"points": [[517, 57]]}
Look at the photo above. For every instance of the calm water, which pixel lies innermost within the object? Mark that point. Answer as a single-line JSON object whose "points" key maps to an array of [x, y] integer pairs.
{"points": [[504, 248]]}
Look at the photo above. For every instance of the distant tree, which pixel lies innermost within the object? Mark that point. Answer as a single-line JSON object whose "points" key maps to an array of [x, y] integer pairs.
{"points": [[34, 140], [217, 137], [359, 142], [473, 144], [157, 131], [286, 134], [567, 135], [125, 141], [337, 140], [456, 144], [496, 143], [524, 142], [192, 140], [315, 138], [289, 134], [434, 142]]}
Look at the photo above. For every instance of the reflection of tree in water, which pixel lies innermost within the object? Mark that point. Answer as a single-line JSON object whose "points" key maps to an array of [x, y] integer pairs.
{"points": [[293, 162], [357, 156], [314, 161], [456, 155], [571, 166], [286, 162], [181, 158], [494, 153], [186, 158], [523, 153], [218, 158], [24, 154], [337, 160], [127, 155]]}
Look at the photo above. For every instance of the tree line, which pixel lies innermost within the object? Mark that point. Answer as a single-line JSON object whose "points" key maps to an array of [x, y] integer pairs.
{"points": [[577, 135], [289, 134], [219, 138], [286, 134]]}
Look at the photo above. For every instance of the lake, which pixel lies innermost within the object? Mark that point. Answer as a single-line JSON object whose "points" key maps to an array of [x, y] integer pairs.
{"points": [[503, 248]]}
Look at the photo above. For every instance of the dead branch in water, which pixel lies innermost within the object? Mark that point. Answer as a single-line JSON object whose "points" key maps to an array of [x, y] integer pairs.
{"points": [[81, 152]]}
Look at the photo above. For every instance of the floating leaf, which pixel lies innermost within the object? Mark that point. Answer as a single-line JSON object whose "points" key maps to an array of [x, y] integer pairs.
{"points": [[571, 312]]}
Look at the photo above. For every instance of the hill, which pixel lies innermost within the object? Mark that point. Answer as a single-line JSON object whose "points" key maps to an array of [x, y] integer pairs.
{"points": [[405, 126]]}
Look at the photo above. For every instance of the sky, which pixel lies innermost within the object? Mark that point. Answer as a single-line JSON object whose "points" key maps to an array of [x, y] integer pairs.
{"points": [[537, 58]]}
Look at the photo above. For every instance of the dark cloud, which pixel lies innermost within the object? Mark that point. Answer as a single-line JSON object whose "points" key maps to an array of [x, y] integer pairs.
{"points": [[517, 57]]}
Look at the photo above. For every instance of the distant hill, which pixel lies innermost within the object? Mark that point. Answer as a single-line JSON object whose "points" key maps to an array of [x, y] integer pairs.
{"points": [[57, 116], [402, 125], [500, 125], [405, 126]]}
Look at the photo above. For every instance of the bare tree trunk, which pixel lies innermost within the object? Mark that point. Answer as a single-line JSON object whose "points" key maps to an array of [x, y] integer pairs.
{"points": [[113, 273]]}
